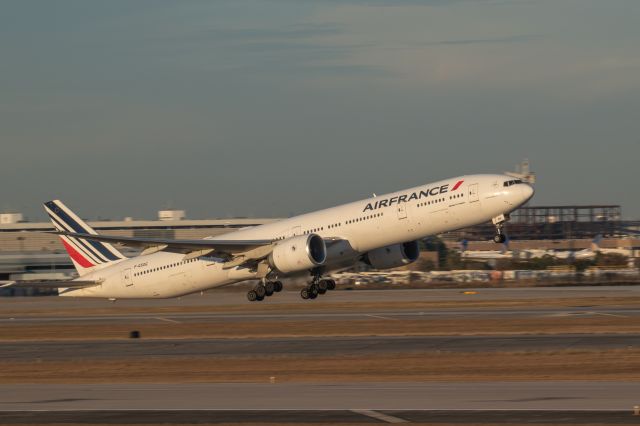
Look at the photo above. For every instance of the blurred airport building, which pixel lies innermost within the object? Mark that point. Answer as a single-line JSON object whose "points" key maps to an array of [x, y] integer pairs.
{"points": [[28, 247], [557, 223]]}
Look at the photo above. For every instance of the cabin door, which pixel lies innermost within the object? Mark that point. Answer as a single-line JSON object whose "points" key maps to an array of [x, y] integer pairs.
{"points": [[402, 211], [473, 193], [127, 278]]}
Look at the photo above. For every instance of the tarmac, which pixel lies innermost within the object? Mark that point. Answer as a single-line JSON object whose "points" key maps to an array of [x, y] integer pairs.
{"points": [[213, 305], [314, 417], [534, 395], [550, 402]]}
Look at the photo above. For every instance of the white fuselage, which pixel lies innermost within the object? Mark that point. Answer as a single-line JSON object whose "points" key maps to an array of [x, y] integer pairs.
{"points": [[360, 226]]}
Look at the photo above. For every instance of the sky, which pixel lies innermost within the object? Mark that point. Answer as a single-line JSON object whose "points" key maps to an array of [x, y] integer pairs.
{"points": [[268, 108]]}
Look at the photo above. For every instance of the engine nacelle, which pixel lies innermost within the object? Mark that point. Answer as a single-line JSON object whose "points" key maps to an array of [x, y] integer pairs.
{"points": [[393, 256], [298, 253]]}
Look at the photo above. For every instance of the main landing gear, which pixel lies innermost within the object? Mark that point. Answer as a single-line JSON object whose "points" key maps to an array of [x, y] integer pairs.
{"points": [[499, 222], [264, 289], [317, 287]]}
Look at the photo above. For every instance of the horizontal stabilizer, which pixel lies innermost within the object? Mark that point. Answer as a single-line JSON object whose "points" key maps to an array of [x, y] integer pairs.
{"points": [[48, 284]]}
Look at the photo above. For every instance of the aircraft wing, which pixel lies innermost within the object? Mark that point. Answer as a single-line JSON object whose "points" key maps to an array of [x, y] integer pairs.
{"points": [[179, 246], [48, 284], [238, 251]]}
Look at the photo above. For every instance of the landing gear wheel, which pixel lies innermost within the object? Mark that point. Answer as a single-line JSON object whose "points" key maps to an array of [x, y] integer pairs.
{"points": [[313, 291], [304, 293], [269, 288], [277, 286], [260, 291], [331, 285], [499, 222], [260, 298], [323, 286], [252, 296], [313, 295]]}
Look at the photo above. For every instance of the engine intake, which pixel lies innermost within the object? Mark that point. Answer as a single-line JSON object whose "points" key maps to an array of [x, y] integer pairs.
{"points": [[298, 253], [393, 256]]}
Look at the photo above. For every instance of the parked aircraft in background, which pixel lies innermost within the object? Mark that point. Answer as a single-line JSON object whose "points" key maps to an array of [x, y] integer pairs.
{"points": [[382, 231], [585, 254], [484, 255]]}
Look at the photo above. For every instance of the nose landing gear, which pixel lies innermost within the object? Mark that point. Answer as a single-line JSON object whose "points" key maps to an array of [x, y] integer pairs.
{"points": [[499, 222]]}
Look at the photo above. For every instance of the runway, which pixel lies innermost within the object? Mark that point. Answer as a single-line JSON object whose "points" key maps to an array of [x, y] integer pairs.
{"points": [[232, 306], [232, 295], [313, 417], [355, 313], [308, 346], [550, 395]]}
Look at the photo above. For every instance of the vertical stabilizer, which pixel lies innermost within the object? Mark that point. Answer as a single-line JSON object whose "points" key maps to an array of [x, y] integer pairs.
{"points": [[86, 255]]}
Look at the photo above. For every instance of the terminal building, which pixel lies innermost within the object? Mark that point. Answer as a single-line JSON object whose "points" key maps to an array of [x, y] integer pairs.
{"points": [[557, 223]]}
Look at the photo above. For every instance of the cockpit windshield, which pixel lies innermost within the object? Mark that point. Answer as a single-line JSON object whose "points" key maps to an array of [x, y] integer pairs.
{"points": [[512, 182]]}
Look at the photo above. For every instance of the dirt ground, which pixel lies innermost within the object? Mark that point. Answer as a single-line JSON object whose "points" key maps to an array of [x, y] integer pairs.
{"points": [[589, 322], [427, 366]]}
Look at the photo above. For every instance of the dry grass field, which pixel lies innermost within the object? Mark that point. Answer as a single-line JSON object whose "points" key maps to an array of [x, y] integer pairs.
{"points": [[427, 366]]}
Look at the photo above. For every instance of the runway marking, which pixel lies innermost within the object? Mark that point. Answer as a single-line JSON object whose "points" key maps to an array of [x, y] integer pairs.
{"points": [[610, 315], [167, 320], [379, 416], [381, 317]]}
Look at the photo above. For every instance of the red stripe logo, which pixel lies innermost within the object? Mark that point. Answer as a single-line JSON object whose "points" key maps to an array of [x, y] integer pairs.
{"points": [[457, 185], [77, 257]]}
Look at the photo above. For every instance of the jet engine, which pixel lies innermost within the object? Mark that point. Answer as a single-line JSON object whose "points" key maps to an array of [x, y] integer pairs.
{"points": [[298, 253], [393, 256]]}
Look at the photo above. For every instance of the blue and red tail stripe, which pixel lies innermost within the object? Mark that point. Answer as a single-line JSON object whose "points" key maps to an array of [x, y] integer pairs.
{"points": [[73, 226], [84, 253]]}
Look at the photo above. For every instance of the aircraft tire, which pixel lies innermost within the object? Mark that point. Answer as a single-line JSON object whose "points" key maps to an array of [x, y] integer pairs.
{"points": [[260, 298], [332, 285], [260, 290], [313, 289], [278, 286], [313, 295], [304, 293], [269, 288], [323, 285], [252, 296]]}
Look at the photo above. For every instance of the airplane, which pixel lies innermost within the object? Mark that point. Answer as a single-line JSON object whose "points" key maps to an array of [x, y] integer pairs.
{"points": [[484, 255], [382, 231], [584, 254]]}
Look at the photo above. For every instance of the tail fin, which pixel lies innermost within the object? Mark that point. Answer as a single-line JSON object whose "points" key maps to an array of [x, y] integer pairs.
{"points": [[86, 255], [595, 244]]}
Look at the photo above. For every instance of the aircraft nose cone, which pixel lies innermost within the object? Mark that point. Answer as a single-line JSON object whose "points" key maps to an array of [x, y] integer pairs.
{"points": [[527, 192]]}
